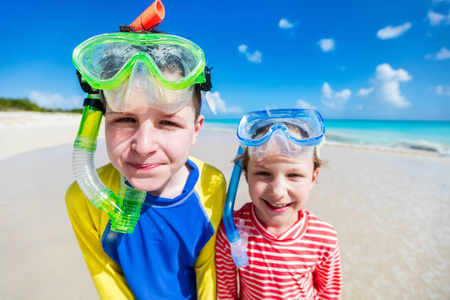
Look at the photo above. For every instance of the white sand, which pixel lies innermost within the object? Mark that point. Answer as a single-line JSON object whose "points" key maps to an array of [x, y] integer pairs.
{"points": [[391, 211], [21, 132]]}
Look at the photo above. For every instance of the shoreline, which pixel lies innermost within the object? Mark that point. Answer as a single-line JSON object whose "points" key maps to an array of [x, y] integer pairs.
{"points": [[22, 131]]}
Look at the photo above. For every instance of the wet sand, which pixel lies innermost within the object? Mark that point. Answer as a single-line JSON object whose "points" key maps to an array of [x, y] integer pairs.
{"points": [[391, 211]]}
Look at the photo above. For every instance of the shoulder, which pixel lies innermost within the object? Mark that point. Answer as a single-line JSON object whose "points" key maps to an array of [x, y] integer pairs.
{"points": [[211, 189], [207, 169], [211, 180], [320, 226]]}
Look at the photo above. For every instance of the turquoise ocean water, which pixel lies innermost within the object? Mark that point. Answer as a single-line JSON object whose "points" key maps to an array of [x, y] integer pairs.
{"points": [[432, 136]]}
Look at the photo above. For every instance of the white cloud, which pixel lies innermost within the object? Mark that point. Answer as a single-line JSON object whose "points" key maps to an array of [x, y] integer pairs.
{"points": [[222, 107], [387, 82], [390, 32], [444, 53], [443, 90], [55, 100], [332, 99], [255, 57], [326, 44], [285, 24], [437, 18], [304, 105], [365, 92]]}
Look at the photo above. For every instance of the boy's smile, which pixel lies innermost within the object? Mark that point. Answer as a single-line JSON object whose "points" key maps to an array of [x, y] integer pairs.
{"points": [[150, 147], [279, 188]]}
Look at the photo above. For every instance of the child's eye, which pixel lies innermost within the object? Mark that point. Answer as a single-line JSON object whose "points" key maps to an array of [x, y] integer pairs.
{"points": [[262, 173], [294, 175]]}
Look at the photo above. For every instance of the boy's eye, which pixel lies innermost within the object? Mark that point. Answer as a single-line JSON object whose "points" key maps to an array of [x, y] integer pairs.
{"points": [[125, 120], [168, 123], [262, 173]]}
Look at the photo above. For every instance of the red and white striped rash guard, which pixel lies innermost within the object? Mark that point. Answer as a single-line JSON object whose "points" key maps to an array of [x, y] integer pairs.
{"points": [[302, 263]]}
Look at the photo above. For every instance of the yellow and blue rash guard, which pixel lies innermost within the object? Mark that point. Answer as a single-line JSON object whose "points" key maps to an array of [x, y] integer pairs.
{"points": [[170, 254]]}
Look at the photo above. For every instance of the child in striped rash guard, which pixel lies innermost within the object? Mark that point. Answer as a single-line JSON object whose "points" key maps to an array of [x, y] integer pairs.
{"points": [[292, 253]]}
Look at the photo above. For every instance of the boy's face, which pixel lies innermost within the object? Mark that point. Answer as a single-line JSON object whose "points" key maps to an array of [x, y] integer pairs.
{"points": [[150, 147], [279, 187]]}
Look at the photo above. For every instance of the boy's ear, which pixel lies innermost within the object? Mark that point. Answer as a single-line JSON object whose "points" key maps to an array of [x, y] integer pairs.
{"points": [[198, 125]]}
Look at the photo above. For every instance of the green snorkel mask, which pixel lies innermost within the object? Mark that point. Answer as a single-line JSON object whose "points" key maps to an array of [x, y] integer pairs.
{"points": [[140, 69], [132, 69]]}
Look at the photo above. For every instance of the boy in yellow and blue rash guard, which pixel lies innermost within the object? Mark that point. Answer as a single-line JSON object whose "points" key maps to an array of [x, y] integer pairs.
{"points": [[150, 85], [170, 254]]}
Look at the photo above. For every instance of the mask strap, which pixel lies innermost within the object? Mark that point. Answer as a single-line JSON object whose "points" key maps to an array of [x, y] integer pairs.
{"points": [[320, 146], [206, 87]]}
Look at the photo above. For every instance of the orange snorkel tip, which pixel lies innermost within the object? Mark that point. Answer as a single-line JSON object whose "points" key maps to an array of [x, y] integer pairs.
{"points": [[150, 17]]}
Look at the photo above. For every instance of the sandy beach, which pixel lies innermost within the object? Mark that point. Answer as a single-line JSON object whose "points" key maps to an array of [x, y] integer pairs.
{"points": [[391, 211]]}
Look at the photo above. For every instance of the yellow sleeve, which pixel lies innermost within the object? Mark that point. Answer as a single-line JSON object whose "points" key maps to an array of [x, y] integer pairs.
{"points": [[212, 188], [89, 223]]}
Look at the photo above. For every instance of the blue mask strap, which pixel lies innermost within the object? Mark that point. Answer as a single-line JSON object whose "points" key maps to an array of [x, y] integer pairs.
{"points": [[237, 245]]}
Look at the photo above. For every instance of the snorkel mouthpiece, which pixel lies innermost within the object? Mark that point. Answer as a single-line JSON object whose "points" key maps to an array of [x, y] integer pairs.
{"points": [[150, 17]]}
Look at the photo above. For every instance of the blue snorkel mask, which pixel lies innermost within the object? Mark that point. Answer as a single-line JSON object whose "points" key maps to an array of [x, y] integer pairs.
{"points": [[294, 133]]}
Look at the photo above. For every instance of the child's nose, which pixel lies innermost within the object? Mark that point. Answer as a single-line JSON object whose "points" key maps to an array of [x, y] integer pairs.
{"points": [[145, 140], [277, 189]]}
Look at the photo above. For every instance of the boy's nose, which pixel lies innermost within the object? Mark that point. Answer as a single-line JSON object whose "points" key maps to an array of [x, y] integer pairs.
{"points": [[145, 140]]}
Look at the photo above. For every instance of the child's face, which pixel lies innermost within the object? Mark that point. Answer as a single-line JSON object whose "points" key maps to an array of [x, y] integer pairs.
{"points": [[279, 187], [150, 147]]}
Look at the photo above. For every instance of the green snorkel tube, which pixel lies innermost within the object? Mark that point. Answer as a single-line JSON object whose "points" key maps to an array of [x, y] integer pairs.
{"points": [[124, 210]]}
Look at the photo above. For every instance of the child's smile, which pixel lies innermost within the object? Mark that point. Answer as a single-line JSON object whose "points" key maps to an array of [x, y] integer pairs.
{"points": [[279, 187], [278, 207]]}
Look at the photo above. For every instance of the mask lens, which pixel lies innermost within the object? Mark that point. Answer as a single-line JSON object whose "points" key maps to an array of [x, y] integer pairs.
{"points": [[297, 131], [172, 62], [105, 61], [110, 59], [175, 62]]}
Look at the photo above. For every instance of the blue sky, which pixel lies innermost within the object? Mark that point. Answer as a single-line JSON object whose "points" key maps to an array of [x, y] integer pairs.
{"points": [[347, 59]]}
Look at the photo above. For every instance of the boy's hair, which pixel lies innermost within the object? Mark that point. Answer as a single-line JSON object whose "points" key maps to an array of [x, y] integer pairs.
{"points": [[197, 95], [245, 158]]}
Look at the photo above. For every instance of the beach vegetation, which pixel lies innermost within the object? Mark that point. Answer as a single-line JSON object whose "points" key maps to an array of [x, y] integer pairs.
{"points": [[27, 105]]}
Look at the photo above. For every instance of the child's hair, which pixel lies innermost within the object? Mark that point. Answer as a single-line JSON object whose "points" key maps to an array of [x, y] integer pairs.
{"points": [[197, 95], [245, 158]]}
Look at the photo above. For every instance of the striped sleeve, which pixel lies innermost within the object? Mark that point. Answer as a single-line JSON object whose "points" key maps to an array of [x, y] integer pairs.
{"points": [[328, 276], [226, 270]]}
